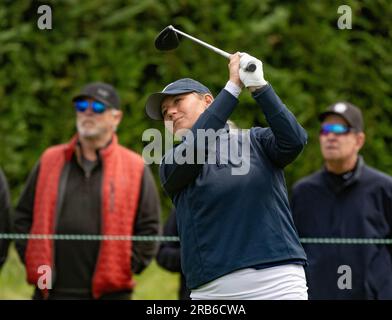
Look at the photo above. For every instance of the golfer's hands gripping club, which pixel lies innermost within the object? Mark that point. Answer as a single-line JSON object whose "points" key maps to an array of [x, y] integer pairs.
{"points": [[251, 80], [234, 66]]}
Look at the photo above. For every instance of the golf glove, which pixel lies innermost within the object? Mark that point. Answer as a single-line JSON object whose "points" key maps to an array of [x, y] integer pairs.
{"points": [[251, 80]]}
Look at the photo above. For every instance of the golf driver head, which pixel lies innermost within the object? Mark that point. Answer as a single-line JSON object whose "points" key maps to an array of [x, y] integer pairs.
{"points": [[167, 39]]}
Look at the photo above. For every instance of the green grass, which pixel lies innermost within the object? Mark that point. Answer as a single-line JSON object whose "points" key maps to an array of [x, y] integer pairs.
{"points": [[154, 283]]}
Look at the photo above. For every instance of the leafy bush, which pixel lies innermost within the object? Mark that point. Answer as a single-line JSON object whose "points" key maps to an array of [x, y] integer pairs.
{"points": [[309, 61]]}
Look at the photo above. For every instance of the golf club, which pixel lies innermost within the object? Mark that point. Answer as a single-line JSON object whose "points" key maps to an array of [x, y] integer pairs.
{"points": [[167, 39]]}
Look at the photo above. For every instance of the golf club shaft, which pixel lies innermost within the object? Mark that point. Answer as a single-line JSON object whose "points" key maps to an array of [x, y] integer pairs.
{"points": [[215, 49], [251, 67]]}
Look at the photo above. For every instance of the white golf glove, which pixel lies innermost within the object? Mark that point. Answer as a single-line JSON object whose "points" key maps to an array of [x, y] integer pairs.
{"points": [[251, 80]]}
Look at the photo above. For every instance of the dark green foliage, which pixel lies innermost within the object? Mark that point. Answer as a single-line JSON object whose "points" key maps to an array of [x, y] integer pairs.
{"points": [[309, 61]]}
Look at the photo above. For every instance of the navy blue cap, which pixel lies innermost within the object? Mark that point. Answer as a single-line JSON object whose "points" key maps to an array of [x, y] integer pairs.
{"points": [[154, 101]]}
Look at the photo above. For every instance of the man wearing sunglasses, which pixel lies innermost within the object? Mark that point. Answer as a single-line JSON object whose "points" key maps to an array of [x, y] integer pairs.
{"points": [[345, 199], [90, 186]]}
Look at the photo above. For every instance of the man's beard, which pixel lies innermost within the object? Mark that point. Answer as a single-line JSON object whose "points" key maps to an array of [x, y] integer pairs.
{"points": [[90, 133]]}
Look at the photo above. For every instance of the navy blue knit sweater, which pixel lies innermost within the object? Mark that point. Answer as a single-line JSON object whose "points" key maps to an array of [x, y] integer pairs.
{"points": [[228, 222]]}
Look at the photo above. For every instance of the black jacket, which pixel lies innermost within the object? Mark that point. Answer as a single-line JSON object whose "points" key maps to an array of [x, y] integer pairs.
{"points": [[80, 213], [5, 205], [355, 205], [169, 255]]}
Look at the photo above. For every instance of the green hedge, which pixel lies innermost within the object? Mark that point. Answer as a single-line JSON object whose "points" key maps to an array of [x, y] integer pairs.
{"points": [[309, 61]]}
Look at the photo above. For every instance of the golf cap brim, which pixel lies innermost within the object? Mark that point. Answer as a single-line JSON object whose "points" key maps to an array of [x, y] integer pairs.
{"points": [[154, 101]]}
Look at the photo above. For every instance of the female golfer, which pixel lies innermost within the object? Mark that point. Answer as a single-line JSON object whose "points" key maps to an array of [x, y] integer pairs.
{"points": [[238, 240]]}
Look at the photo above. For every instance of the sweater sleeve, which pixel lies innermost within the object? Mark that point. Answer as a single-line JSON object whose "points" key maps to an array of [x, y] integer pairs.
{"points": [[147, 222], [388, 205], [294, 205], [169, 255], [285, 139], [23, 217], [5, 207], [174, 176]]}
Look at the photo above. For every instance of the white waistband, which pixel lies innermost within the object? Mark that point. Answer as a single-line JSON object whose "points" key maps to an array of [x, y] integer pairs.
{"points": [[285, 282]]}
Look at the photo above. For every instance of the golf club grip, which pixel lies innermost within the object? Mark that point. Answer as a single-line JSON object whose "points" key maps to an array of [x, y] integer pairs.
{"points": [[251, 67]]}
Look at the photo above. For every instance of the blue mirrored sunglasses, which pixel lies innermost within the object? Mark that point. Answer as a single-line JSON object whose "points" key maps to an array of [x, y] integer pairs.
{"points": [[336, 128], [82, 105]]}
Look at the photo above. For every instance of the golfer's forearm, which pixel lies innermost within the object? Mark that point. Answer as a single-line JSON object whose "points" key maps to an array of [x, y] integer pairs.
{"points": [[289, 137], [217, 114]]}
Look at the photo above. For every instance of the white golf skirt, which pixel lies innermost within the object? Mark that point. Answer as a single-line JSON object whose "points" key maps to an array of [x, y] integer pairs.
{"points": [[285, 282]]}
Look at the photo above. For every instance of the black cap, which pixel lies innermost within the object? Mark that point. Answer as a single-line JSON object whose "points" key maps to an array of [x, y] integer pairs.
{"points": [[348, 112], [101, 92], [153, 105]]}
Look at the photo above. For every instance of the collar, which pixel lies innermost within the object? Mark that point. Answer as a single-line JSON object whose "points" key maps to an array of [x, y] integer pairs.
{"points": [[74, 146], [339, 183]]}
